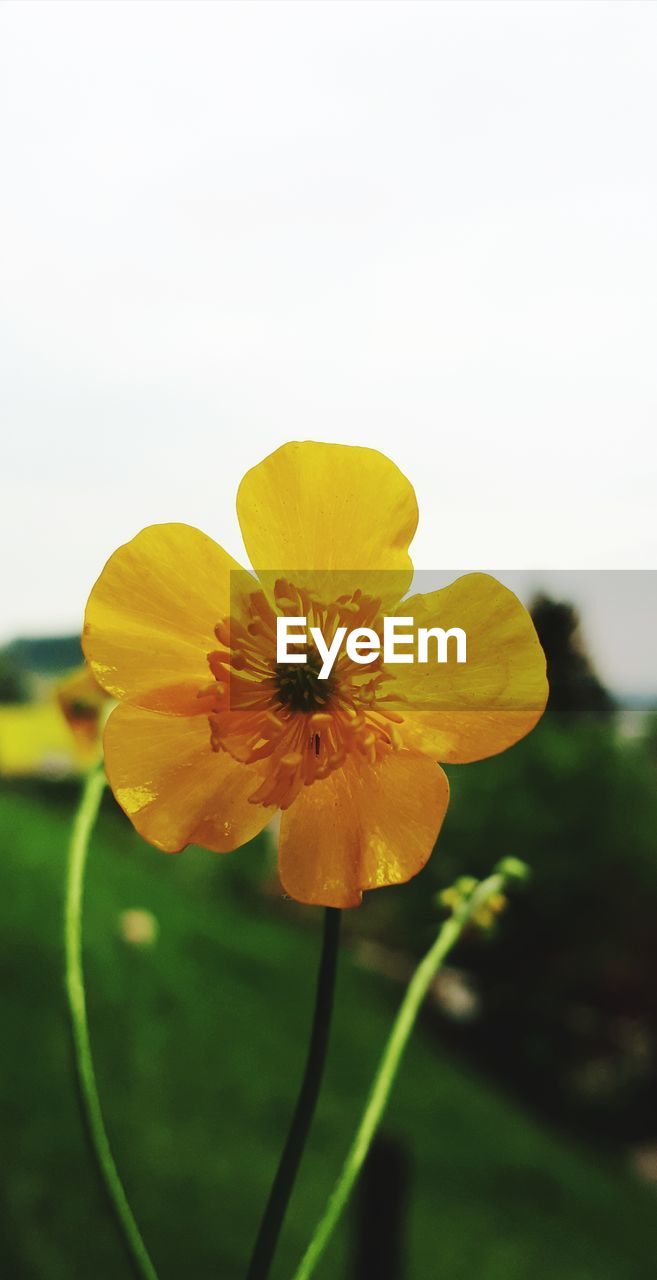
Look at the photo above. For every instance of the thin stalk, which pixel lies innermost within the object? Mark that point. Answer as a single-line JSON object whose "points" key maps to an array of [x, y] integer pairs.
{"points": [[86, 1077], [279, 1196], [379, 1094]]}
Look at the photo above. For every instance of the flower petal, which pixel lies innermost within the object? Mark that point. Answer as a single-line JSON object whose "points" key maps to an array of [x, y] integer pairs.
{"points": [[312, 507], [458, 712], [150, 618], [174, 788], [363, 827]]}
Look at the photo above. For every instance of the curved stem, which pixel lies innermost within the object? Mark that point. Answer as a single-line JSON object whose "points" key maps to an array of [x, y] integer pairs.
{"points": [[86, 1078], [402, 1027], [279, 1196]]}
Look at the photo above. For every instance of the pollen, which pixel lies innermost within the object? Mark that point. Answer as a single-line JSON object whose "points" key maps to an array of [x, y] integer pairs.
{"points": [[298, 728]]}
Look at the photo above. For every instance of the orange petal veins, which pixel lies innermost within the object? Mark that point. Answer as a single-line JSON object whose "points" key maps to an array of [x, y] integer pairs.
{"points": [[311, 507], [174, 788], [150, 618], [458, 712], [363, 827]]}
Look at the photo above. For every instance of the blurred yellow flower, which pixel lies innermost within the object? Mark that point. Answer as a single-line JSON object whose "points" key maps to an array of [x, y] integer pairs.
{"points": [[352, 761], [84, 705]]}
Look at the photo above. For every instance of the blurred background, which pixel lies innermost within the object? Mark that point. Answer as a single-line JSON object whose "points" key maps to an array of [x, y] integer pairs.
{"points": [[430, 228]]}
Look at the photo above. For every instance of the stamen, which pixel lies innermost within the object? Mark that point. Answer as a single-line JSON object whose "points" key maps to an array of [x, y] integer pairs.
{"points": [[296, 727]]}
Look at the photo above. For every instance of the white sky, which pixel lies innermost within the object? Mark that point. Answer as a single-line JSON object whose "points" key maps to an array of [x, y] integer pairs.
{"points": [[429, 227]]}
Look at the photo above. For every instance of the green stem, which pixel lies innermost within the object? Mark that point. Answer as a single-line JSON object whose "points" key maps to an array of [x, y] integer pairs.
{"points": [[279, 1196], [389, 1064], [86, 1078]]}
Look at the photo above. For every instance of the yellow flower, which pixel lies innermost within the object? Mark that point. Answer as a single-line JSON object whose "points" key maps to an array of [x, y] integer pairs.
{"points": [[83, 704], [212, 735]]}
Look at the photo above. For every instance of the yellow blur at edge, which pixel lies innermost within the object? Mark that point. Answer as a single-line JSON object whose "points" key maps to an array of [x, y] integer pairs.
{"points": [[36, 741]]}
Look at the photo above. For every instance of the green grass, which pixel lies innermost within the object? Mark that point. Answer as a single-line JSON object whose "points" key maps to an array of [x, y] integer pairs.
{"points": [[199, 1043]]}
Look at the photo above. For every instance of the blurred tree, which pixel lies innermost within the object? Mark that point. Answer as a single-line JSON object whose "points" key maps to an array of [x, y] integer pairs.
{"points": [[46, 655], [566, 993], [13, 685], [574, 686]]}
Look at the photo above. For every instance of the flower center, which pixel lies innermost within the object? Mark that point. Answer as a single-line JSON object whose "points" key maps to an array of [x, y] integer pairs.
{"points": [[282, 716], [299, 686]]}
